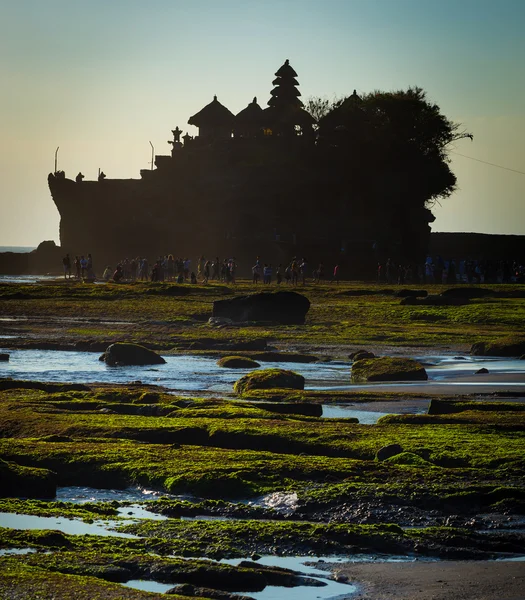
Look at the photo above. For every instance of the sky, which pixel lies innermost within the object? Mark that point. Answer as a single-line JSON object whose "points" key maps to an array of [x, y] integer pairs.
{"points": [[102, 79]]}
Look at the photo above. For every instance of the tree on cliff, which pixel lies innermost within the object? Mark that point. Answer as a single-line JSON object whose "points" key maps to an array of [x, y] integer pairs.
{"points": [[389, 150], [398, 135]]}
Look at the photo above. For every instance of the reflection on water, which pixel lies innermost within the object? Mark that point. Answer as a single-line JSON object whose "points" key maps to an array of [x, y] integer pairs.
{"points": [[197, 373], [79, 495], [187, 373], [69, 526], [330, 589], [20, 551], [149, 586]]}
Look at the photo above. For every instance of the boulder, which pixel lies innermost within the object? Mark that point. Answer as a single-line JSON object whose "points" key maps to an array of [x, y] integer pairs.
{"points": [[359, 354], [286, 308], [386, 368], [28, 482], [481, 371], [122, 353], [4, 356], [269, 378], [387, 452], [238, 362], [509, 347]]}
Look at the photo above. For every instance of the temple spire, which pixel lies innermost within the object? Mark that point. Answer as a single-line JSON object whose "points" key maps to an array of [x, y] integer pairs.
{"points": [[285, 93]]}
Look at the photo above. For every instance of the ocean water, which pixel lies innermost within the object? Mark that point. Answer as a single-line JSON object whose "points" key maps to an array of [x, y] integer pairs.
{"points": [[17, 248]]}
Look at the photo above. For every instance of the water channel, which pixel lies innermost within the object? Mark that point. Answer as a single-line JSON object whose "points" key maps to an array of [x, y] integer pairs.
{"points": [[186, 374]]}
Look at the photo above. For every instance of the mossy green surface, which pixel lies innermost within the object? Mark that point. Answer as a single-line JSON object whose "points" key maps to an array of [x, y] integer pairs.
{"points": [[386, 368], [351, 313], [237, 362], [268, 379], [20, 580]]}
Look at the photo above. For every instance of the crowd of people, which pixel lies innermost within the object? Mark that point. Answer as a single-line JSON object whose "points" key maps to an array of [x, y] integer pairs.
{"points": [[452, 271], [80, 268], [296, 272]]}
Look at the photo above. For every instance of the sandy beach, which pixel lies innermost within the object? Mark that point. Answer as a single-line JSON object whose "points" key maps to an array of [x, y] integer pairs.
{"points": [[457, 580]]}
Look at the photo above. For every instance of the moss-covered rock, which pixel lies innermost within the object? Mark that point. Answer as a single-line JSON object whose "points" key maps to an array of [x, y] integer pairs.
{"points": [[360, 354], [510, 346], [123, 353], [387, 368], [29, 482], [269, 378], [410, 459], [387, 452], [238, 362]]}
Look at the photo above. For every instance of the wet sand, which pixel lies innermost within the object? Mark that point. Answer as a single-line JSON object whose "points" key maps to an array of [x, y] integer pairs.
{"points": [[488, 383], [450, 580]]}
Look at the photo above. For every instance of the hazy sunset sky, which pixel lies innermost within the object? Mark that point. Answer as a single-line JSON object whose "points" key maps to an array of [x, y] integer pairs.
{"points": [[101, 79]]}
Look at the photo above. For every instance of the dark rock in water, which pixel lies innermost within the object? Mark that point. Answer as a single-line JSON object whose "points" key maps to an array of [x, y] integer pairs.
{"points": [[237, 362], [386, 368], [29, 482], [186, 589], [130, 354], [411, 293], [286, 308], [359, 354], [509, 347], [388, 451], [481, 371], [4, 356], [269, 378]]}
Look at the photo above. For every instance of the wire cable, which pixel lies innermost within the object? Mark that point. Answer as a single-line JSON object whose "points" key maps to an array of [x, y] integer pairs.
{"points": [[488, 163]]}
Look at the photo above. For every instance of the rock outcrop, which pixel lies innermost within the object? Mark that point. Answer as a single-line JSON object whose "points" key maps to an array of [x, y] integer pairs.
{"points": [[509, 347], [386, 368], [286, 308], [121, 354], [238, 362], [269, 378], [28, 482]]}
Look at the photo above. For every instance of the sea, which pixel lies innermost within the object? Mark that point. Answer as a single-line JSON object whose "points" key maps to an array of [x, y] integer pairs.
{"points": [[17, 248]]}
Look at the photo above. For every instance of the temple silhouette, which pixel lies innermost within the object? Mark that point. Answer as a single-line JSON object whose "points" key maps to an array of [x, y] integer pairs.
{"points": [[267, 181]]}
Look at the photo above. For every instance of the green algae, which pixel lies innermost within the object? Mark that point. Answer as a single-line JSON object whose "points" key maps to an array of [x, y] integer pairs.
{"points": [[386, 368], [338, 315], [269, 378], [238, 362], [18, 579], [87, 511]]}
